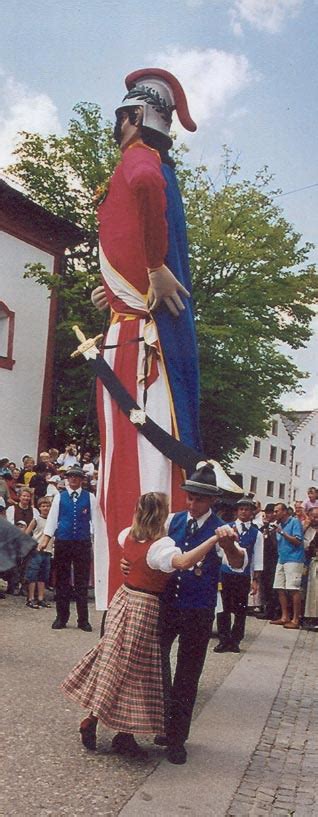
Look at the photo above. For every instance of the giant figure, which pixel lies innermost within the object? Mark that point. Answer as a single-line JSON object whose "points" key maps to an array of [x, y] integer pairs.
{"points": [[150, 344]]}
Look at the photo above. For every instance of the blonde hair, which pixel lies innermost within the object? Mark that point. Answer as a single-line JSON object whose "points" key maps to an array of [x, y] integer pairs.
{"points": [[150, 515]]}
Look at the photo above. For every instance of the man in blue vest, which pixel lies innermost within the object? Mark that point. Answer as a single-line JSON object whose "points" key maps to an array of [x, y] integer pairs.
{"points": [[70, 521], [187, 607], [236, 587]]}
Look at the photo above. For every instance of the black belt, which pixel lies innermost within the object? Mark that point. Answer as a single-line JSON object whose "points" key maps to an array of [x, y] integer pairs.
{"points": [[141, 590]]}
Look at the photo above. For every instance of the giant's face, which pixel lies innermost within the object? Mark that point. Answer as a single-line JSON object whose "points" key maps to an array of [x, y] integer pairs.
{"points": [[126, 122]]}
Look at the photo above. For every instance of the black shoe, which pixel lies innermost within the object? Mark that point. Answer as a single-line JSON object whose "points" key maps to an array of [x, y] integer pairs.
{"points": [[88, 733], [2, 595], [58, 624], [161, 740], [177, 755], [234, 648], [125, 744], [221, 647], [86, 627]]}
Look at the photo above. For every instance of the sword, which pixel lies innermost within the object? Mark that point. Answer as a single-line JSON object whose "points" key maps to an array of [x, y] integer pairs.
{"points": [[183, 455]]}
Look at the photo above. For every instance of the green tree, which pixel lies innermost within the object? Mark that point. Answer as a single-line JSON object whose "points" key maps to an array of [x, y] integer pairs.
{"points": [[254, 293], [253, 286]]}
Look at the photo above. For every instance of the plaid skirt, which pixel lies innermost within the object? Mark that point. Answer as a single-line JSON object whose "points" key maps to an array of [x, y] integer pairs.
{"points": [[120, 680]]}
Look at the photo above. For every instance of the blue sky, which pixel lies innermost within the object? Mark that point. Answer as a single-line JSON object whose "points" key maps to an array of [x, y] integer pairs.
{"points": [[249, 68]]}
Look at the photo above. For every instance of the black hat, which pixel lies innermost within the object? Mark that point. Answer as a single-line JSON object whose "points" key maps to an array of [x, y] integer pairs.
{"points": [[246, 500], [74, 471], [202, 481]]}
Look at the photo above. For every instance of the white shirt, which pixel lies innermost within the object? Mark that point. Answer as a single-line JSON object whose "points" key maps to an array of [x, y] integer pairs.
{"points": [[53, 517], [257, 561], [88, 468], [160, 554], [67, 460]]}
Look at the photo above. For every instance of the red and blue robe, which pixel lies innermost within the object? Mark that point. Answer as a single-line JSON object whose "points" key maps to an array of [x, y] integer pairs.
{"points": [[142, 226]]}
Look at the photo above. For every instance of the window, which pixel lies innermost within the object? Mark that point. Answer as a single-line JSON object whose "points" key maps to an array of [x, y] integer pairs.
{"points": [[294, 494], [314, 474], [273, 453], [270, 488], [257, 448], [253, 485], [6, 336], [297, 469], [313, 439], [282, 490], [283, 456], [275, 428]]}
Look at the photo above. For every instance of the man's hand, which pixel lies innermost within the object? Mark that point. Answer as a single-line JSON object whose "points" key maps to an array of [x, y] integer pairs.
{"points": [[98, 298], [165, 287], [227, 534], [125, 566], [43, 542]]}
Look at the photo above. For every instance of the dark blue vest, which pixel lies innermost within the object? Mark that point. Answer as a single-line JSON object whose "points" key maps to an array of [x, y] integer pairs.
{"points": [[74, 517], [186, 590], [247, 540]]}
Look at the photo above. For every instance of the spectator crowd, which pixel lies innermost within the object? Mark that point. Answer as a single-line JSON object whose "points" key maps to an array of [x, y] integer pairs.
{"points": [[281, 584], [27, 492]]}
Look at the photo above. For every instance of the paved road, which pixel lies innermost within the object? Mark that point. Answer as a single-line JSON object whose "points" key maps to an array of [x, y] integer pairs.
{"points": [[252, 748], [45, 771]]}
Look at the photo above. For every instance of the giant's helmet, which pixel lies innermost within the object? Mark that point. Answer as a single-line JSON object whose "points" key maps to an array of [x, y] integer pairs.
{"points": [[159, 93]]}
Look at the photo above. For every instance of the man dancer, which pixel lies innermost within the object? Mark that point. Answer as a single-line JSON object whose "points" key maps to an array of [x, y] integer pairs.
{"points": [[187, 607], [151, 340]]}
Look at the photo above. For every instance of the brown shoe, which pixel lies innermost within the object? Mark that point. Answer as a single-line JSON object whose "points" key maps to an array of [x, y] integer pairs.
{"points": [[291, 625], [279, 621]]}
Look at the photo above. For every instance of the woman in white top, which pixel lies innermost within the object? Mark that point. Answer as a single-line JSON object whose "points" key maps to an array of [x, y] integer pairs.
{"points": [[120, 680]]}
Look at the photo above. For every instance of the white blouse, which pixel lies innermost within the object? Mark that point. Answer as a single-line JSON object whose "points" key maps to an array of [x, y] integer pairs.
{"points": [[160, 553]]}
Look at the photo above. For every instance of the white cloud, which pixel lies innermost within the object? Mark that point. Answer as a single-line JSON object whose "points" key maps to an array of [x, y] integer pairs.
{"points": [[23, 109], [211, 79], [267, 15]]}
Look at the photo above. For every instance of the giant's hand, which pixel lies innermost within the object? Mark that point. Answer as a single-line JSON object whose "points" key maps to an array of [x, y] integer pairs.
{"points": [[165, 287], [98, 298]]}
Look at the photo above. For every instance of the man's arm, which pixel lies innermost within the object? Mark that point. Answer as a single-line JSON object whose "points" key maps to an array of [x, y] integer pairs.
{"points": [[235, 554], [296, 538], [51, 523]]}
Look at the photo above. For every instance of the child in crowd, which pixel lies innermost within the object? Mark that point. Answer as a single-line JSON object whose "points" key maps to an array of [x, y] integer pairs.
{"points": [[38, 568]]}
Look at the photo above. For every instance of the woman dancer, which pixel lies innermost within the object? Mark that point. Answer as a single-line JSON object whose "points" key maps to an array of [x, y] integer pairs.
{"points": [[120, 680]]}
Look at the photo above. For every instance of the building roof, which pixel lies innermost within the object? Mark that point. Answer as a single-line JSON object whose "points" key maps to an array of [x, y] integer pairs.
{"points": [[53, 231], [293, 420]]}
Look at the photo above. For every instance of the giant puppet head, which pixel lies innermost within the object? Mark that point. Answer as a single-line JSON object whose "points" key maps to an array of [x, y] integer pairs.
{"points": [[156, 93]]}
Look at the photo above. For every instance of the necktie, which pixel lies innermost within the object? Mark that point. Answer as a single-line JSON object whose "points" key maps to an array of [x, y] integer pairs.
{"points": [[192, 527], [244, 528], [74, 496]]}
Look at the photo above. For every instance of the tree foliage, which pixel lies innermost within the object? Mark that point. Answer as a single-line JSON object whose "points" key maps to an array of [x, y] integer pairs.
{"points": [[252, 284]]}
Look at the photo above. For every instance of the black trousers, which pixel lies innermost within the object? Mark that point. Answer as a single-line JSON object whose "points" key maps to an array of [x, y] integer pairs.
{"points": [[235, 590], [66, 554], [193, 628]]}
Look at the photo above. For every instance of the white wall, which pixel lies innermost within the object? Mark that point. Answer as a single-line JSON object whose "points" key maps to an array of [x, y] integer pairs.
{"points": [[21, 387], [306, 457], [296, 475], [263, 468]]}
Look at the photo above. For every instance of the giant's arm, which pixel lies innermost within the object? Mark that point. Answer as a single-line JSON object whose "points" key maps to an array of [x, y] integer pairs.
{"points": [[148, 184]]}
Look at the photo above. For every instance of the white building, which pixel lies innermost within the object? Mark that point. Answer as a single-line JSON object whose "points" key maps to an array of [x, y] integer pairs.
{"points": [[284, 464], [28, 234]]}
